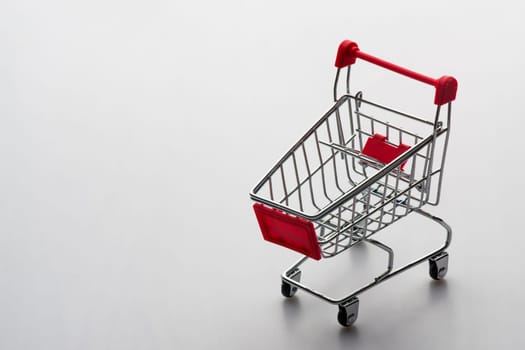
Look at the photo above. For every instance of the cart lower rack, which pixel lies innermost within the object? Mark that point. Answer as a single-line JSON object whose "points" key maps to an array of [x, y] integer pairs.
{"points": [[360, 168]]}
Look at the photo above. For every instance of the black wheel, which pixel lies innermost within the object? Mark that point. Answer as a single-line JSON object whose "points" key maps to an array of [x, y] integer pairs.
{"points": [[433, 270], [438, 266], [348, 311], [287, 290], [342, 317]]}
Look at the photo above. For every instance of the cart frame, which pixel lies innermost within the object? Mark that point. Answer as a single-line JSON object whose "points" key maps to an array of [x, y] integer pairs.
{"points": [[394, 187]]}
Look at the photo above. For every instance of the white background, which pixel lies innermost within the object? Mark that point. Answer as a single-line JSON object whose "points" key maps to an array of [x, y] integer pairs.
{"points": [[131, 133]]}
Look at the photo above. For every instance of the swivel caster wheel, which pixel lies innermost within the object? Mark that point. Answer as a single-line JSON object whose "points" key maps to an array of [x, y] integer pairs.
{"points": [[438, 266], [287, 290], [348, 311]]}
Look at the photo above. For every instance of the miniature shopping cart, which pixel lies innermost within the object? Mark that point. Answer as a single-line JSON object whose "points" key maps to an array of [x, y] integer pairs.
{"points": [[360, 168]]}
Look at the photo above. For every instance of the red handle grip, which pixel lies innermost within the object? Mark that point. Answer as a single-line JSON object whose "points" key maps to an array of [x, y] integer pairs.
{"points": [[446, 86]]}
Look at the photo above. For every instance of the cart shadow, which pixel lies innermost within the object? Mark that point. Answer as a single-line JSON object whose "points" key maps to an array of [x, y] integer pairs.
{"points": [[349, 335], [392, 327], [438, 290], [291, 309]]}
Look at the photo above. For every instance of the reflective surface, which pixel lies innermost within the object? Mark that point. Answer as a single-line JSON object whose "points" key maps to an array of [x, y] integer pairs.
{"points": [[131, 134]]}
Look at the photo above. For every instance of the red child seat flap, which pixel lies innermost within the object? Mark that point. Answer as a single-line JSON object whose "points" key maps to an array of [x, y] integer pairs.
{"points": [[288, 231], [377, 148]]}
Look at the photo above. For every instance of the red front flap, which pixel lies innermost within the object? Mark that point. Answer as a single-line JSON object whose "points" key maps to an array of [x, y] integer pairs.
{"points": [[288, 231]]}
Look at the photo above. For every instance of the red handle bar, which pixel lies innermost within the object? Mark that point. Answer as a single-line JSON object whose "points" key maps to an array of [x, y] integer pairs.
{"points": [[446, 86]]}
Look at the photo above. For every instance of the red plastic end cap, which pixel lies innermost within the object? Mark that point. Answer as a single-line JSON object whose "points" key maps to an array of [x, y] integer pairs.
{"points": [[346, 54], [288, 231], [446, 88]]}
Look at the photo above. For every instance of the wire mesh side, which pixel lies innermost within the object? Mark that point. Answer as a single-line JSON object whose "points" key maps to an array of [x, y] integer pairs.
{"points": [[379, 205], [327, 163]]}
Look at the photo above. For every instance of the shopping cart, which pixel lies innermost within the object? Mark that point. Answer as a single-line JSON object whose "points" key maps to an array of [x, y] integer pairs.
{"points": [[360, 168]]}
